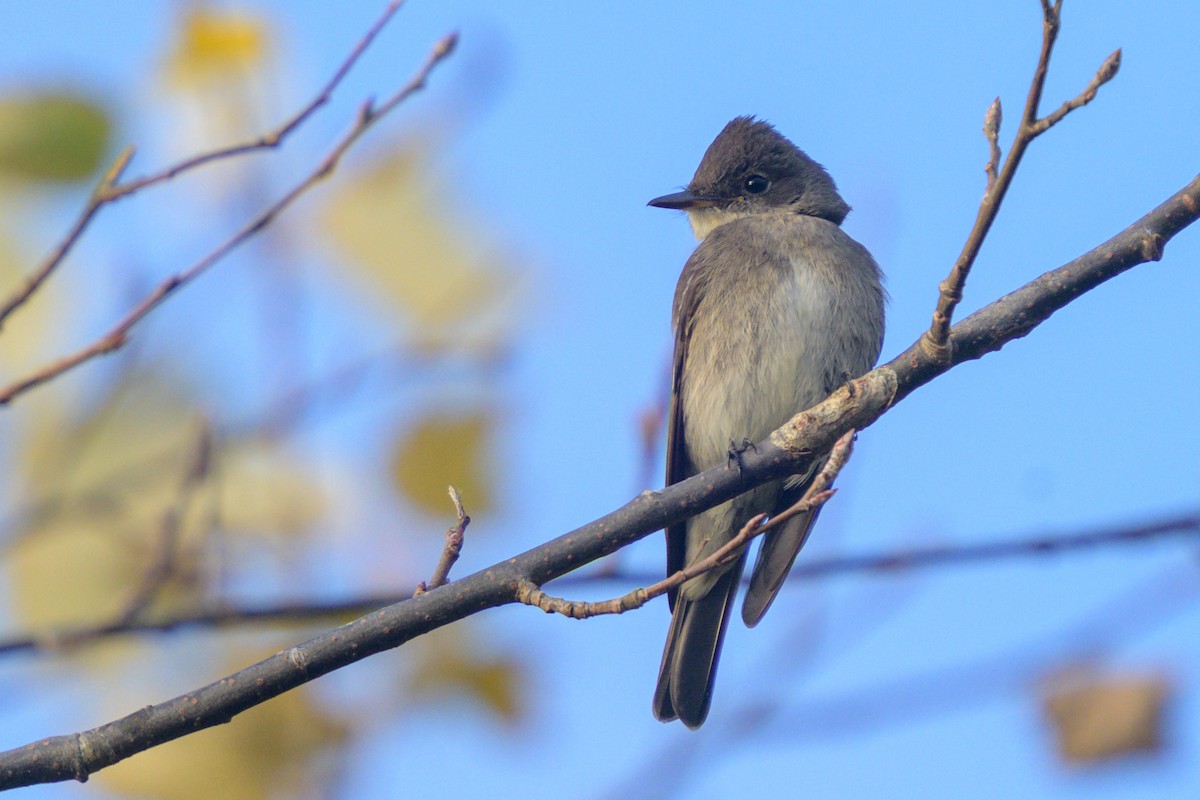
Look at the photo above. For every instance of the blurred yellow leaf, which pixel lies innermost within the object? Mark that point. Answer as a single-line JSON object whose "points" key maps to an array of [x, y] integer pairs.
{"points": [[272, 750], [388, 221], [217, 79], [442, 450], [71, 576], [102, 494], [1100, 719], [213, 44], [449, 664], [98, 490], [52, 136], [267, 491], [36, 332]]}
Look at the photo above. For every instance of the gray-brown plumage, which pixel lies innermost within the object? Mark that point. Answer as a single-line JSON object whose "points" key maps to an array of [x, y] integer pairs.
{"points": [[775, 309]]}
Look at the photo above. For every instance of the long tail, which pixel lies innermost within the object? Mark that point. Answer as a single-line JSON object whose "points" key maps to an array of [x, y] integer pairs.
{"points": [[689, 663]]}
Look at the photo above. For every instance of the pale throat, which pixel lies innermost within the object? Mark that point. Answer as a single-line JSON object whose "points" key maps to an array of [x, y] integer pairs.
{"points": [[705, 220]]}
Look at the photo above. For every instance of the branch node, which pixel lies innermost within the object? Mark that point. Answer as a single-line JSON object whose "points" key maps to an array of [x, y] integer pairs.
{"points": [[452, 548], [79, 769], [445, 45], [1152, 246], [991, 130], [1108, 70], [941, 352], [817, 494], [108, 188]]}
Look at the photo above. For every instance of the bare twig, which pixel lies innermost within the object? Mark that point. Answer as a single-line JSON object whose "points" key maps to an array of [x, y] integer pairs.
{"points": [[935, 341], [368, 115], [224, 615], [817, 494], [1116, 623], [98, 197], [454, 543], [208, 616], [277, 418], [991, 129], [271, 139], [786, 451], [111, 188], [165, 563], [1107, 71]]}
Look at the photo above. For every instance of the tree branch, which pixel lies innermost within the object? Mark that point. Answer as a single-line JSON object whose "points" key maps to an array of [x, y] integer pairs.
{"points": [[452, 548], [165, 564], [111, 188], [787, 451], [99, 196], [368, 115], [816, 495], [950, 291], [225, 615], [273, 138]]}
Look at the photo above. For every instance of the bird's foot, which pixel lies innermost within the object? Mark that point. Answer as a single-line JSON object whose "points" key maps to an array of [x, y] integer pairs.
{"points": [[735, 452]]}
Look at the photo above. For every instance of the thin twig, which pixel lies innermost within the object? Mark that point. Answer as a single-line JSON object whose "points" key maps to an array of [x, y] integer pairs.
{"points": [[935, 341], [816, 495], [222, 615], [368, 115], [165, 563], [991, 130], [270, 139], [98, 197], [1107, 71], [454, 543], [110, 188]]}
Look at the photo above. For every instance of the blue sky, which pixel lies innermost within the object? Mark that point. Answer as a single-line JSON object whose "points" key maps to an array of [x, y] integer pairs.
{"points": [[566, 119]]}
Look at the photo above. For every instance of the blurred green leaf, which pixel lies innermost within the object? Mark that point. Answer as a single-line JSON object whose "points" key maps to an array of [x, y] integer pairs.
{"points": [[52, 136], [390, 221]]}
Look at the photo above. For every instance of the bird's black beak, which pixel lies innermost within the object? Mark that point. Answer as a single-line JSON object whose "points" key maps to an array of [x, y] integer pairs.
{"points": [[681, 200]]}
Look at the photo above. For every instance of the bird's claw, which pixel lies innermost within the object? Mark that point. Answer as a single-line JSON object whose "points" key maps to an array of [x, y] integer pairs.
{"points": [[848, 382], [735, 452]]}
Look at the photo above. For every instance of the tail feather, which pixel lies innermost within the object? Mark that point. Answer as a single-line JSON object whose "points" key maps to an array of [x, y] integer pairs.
{"points": [[775, 558], [689, 664]]}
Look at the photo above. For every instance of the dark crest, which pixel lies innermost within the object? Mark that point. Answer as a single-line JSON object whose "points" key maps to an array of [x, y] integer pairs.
{"points": [[750, 163]]}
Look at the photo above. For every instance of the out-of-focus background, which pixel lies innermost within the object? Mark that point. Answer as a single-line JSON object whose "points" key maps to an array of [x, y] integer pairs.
{"points": [[479, 296]]}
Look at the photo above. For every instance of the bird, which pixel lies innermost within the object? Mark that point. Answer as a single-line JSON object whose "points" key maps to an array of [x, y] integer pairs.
{"points": [[775, 309]]}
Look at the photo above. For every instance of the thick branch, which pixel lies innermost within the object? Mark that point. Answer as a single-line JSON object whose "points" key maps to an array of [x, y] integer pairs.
{"points": [[786, 451]]}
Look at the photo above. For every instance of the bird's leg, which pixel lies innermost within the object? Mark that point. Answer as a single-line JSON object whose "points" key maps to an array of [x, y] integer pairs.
{"points": [[847, 381], [735, 452]]}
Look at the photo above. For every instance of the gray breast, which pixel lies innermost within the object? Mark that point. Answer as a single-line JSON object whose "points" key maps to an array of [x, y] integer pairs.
{"points": [[790, 305]]}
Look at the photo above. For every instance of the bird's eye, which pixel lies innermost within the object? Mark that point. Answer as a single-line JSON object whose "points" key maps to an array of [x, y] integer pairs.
{"points": [[757, 184]]}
